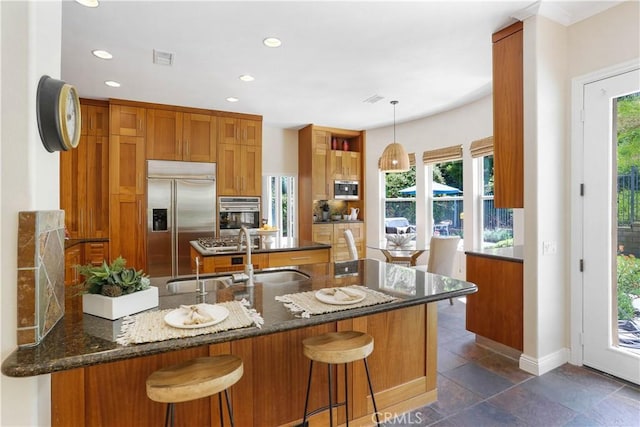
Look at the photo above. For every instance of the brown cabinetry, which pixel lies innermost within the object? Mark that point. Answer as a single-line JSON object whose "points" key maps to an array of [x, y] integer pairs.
{"points": [[84, 177], [127, 187], [239, 157], [72, 256], [240, 131], [496, 310], [127, 120], [173, 135], [508, 117], [345, 165], [239, 170], [403, 368], [282, 259], [325, 155], [83, 253]]}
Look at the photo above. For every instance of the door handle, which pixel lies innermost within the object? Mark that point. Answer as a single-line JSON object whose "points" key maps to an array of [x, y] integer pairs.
{"points": [[139, 212]]}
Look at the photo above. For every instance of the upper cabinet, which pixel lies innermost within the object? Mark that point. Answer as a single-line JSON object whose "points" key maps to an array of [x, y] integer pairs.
{"points": [[84, 176], [320, 165], [345, 165], [240, 131], [127, 120], [173, 135], [508, 121], [239, 170], [239, 157]]}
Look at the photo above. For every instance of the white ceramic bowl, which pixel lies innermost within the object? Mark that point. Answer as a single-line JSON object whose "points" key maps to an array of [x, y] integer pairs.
{"points": [[400, 239]]}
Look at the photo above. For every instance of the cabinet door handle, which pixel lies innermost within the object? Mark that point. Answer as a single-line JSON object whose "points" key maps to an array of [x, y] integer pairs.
{"points": [[139, 212], [91, 122], [140, 124], [186, 148], [297, 258]]}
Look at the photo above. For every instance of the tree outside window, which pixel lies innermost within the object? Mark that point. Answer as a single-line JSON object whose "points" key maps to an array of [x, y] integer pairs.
{"points": [[448, 208], [279, 203], [400, 196], [497, 223]]}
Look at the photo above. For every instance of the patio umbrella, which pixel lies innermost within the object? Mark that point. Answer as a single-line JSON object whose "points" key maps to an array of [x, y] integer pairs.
{"points": [[437, 189]]}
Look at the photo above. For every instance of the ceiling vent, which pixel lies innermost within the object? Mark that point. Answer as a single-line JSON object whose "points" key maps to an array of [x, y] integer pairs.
{"points": [[373, 99], [162, 58]]}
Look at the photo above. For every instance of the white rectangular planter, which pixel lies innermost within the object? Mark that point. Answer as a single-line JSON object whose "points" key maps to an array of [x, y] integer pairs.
{"points": [[114, 308]]}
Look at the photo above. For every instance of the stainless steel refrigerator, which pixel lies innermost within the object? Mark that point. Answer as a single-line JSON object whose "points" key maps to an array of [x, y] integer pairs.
{"points": [[181, 206]]}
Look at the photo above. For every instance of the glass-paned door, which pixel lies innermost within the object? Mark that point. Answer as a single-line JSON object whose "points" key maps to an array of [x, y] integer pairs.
{"points": [[611, 223]]}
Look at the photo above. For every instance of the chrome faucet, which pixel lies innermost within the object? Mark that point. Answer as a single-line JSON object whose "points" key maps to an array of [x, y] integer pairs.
{"points": [[200, 286], [248, 267]]}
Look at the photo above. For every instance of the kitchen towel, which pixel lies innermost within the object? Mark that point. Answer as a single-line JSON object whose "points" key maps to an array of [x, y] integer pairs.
{"points": [[306, 304], [150, 326]]}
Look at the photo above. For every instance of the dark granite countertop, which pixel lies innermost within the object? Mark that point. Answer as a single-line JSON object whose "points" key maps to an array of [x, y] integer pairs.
{"points": [[81, 340], [284, 244], [514, 253]]}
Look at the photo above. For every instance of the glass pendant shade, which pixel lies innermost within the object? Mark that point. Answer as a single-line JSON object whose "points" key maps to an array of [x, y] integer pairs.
{"points": [[394, 157]]}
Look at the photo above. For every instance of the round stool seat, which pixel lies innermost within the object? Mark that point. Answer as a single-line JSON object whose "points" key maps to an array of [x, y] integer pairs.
{"points": [[338, 347], [194, 379]]}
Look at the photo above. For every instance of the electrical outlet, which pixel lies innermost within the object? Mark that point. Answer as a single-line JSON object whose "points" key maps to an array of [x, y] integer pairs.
{"points": [[549, 248]]}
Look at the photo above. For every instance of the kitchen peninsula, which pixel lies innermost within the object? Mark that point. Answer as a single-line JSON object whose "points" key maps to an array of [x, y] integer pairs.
{"points": [[96, 381], [216, 255]]}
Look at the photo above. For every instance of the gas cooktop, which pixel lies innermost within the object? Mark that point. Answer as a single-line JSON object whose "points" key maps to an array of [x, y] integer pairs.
{"points": [[215, 245]]}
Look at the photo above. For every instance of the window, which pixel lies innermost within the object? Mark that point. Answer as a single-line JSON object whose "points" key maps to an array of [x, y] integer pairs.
{"points": [[279, 203], [447, 203], [400, 201], [445, 167], [497, 223]]}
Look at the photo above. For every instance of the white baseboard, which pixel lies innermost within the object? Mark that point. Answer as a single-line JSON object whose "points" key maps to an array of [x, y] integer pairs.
{"points": [[544, 364]]}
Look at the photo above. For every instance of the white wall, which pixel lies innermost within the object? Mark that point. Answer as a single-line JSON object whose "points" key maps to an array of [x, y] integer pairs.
{"points": [[279, 151], [30, 35], [606, 39], [459, 126], [546, 147], [553, 56]]}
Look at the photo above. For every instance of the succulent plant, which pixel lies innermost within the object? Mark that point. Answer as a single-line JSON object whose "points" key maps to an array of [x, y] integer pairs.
{"points": [[113, 279]]}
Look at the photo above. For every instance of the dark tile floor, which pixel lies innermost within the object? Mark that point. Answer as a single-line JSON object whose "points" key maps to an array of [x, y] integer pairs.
{"points": [[478, 387]]}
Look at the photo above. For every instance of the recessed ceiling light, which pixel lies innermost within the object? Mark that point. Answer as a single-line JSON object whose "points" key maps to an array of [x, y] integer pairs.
{"points": [[112, 83], [88, 3], [272, 42], [102, 54], [232, 99], [246, 78]]}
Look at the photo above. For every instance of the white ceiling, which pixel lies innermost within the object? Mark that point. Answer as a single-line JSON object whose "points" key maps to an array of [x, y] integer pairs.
{"points": [[431, 56]]}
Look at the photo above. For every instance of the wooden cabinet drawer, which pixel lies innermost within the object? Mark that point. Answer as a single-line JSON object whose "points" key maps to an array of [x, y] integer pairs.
{"points": [[280, 259], [237, 262], [96, 252]]}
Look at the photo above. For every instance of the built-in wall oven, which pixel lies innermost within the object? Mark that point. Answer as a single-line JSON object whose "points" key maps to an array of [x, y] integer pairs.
{"points": [[346, 190], [235, 212]]}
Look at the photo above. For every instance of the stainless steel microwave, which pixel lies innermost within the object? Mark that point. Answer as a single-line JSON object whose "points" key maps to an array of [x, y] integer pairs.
{"points": [[346, 190]]}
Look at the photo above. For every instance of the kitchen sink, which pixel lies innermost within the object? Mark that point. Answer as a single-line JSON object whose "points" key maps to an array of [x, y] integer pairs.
{"points": [[191, 286], [279, 276]]}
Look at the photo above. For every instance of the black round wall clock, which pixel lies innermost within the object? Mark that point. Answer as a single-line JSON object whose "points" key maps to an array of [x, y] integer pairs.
{"points": [[58, 111]]}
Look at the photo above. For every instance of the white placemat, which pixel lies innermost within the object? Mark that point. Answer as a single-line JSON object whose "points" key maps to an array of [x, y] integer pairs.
{"points": [[150, 326], [306, 304]]}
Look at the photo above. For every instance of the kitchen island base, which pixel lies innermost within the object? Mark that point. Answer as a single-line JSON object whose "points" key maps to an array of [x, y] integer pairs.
{"points": [[272, 390]]}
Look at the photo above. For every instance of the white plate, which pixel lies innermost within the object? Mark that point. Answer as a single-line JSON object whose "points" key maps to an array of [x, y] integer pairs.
{"points": [[177, 317], [321, 295]]}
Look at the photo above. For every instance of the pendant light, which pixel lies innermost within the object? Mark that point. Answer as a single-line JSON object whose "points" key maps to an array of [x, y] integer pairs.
{"points": [[394, 157]]}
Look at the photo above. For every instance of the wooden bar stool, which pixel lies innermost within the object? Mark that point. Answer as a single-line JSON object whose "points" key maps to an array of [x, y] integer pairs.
{"points": [[195, 379], [333, 348]]}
